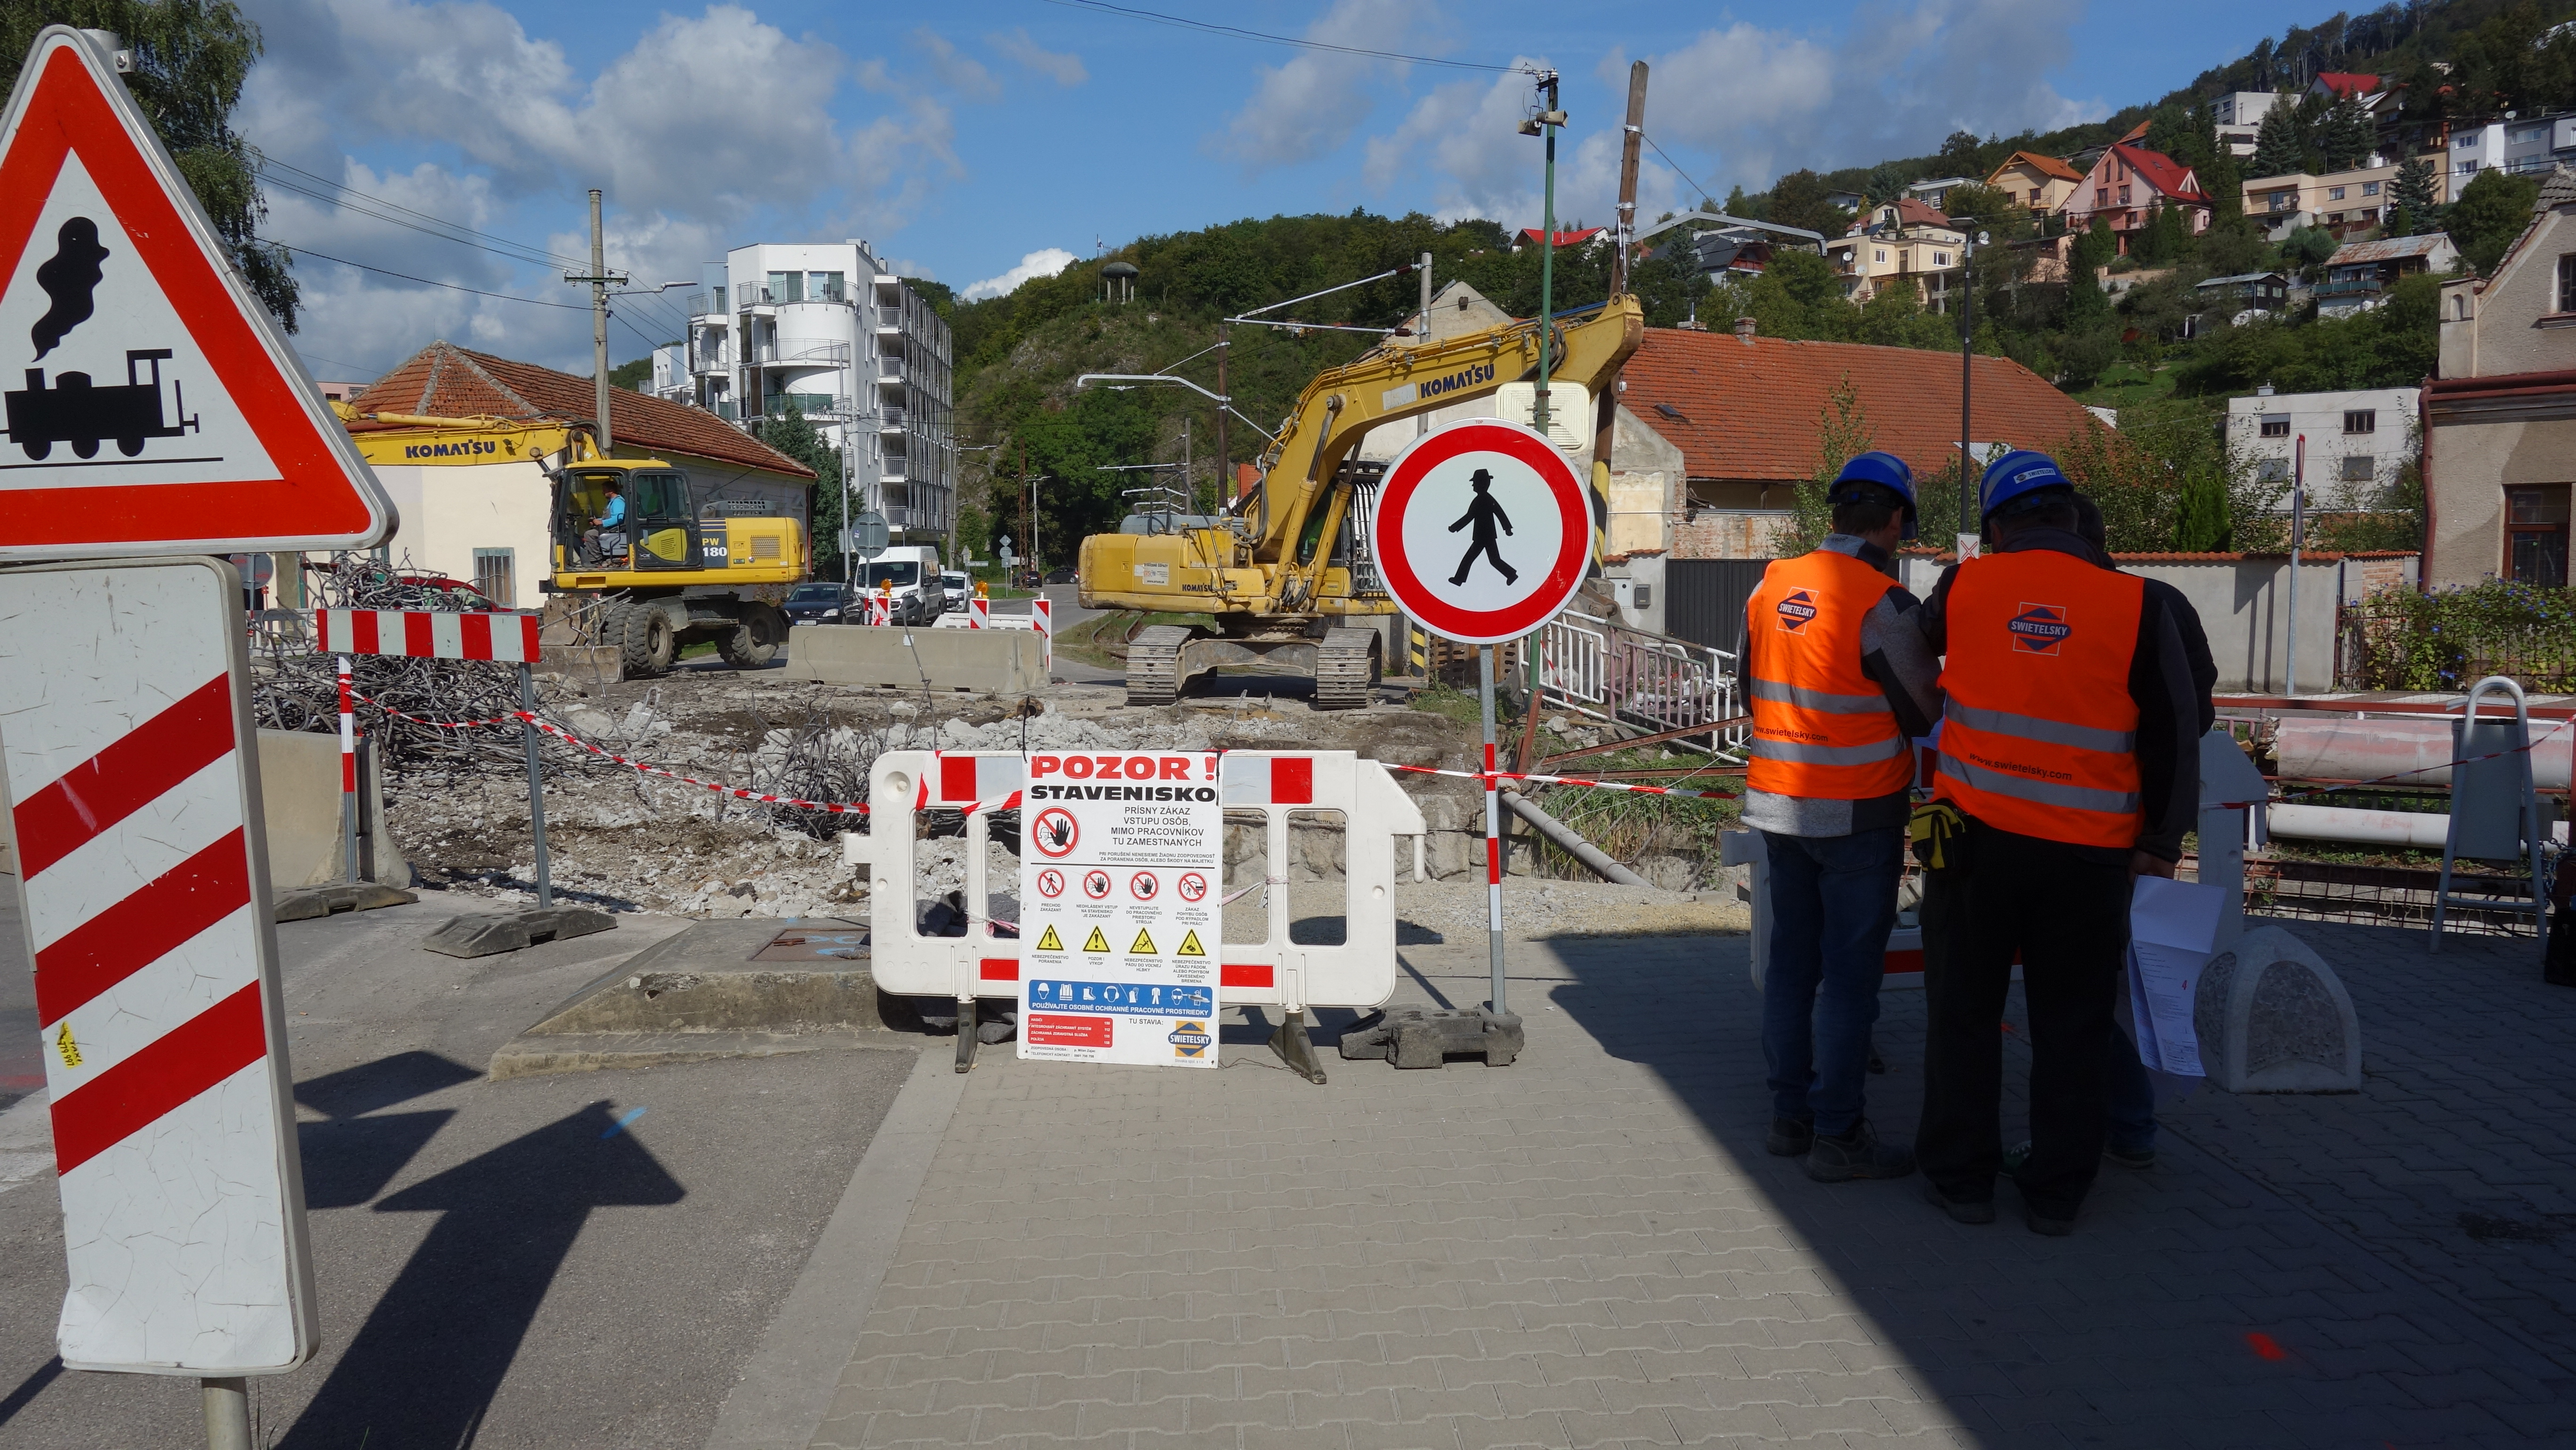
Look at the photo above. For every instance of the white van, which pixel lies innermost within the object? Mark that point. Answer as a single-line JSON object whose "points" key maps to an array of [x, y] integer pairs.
{"points": [[913, 572]]}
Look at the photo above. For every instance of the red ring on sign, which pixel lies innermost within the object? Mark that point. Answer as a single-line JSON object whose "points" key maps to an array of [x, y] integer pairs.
{"points": [[1574, 543]]}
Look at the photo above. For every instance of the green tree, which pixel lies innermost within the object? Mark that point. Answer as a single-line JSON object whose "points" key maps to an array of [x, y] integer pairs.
{"points": [[633, 376], [2279, 147], [2412, 189], [2086, 255], [2492, 210], [1843, 432], [790, 434], [1806, 277], [2309, 246], [2346, 136], [190, 58], [1798, 200]]}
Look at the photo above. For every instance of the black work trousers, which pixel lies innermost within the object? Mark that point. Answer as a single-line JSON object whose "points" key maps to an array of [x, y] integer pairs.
{"points": [[2068, 919]]}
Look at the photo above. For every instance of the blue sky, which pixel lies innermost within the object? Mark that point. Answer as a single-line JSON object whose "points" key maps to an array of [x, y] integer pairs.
{"points": [[982, 136]]}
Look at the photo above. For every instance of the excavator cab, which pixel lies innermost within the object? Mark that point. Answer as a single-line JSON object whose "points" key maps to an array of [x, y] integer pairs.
{"points": [[661, 530]]}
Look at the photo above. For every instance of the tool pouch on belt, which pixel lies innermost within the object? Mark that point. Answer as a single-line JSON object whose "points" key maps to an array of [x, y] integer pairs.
{"points": [[1938, 836]]}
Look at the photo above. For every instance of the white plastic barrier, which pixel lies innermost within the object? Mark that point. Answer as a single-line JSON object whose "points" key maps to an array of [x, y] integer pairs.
{"points": [[1275, 972]]}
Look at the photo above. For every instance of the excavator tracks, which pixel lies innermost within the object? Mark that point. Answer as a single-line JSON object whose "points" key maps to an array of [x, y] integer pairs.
{"points": [[1154, 664], [1345, 667]]}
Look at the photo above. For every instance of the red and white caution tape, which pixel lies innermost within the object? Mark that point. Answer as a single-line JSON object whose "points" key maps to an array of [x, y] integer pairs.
{"points": [[512, 718], [737, 792], [1478, 775]]}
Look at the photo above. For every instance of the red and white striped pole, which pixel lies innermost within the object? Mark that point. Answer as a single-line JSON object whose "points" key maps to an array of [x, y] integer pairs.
{"points": [[348, 774], [1493, 823], [1042, 619], [979, 609]]}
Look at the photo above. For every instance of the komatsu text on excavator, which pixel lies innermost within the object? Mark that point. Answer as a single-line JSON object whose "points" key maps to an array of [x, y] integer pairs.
{"points": [[1288, 571]]}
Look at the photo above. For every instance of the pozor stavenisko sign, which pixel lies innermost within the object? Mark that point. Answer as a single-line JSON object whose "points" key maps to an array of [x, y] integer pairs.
{"points": [[1120, 855]]}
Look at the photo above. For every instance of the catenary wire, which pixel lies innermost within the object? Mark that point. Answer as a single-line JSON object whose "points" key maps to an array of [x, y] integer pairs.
{"points": [[1213, 28], [425, 281]]}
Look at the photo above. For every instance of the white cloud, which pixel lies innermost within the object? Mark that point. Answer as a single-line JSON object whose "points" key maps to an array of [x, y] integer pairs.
{"points": [[957, 70], [1065, 67], [1756, 101], [706, 129], [1311, 105], [1045, 262], [1898, 80]]}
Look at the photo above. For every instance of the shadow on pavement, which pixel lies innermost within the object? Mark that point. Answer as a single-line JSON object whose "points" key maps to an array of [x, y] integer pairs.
{"points": [[424, 1367], [30, 1387]]}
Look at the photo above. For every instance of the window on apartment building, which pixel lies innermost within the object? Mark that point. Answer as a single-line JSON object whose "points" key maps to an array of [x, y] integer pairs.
{"points": [[2272, 470], [2101, 196], [2468, 168], [2566, 285], [2334, 218], [2529, 135], [1940, 259], [1878, 254], [2334, 193], [2464, 141], [2038, 197], [2361, 420], [786, 286], [2276, 427], [825, 286], [496, 573], [2370, 188], [2359, 468], [2279, 200], [2535, 547], [2124, 196]]}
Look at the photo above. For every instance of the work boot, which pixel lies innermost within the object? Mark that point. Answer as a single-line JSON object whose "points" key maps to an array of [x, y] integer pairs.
{"points": [[1790, 1136], [2140, 1158], [1857, 1154], [1965, 1210]]}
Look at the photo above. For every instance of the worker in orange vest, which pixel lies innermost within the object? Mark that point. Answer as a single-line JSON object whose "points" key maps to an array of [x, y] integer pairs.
{"points": [[1840, 683], [2069, 745]]}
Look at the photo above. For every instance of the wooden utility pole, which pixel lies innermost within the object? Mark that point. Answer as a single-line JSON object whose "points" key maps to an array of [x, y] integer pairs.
{"points": [[600, 280]]}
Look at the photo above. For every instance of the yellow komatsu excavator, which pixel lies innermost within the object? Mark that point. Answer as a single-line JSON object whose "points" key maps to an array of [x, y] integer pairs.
{"points": [[1291, 561]]}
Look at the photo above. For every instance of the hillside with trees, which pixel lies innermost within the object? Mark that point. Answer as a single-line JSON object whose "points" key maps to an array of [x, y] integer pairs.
{"points": [[2156, 350]]}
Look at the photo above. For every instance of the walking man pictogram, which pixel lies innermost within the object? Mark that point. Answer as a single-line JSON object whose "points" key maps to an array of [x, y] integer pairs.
{"points": [[1484, 514]]}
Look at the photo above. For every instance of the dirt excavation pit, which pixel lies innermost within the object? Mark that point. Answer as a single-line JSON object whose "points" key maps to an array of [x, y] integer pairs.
{"points": [[627, 841]]}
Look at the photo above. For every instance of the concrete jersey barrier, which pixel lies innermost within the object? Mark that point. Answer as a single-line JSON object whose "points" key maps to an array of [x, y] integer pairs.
{"points": [[996, 661]]}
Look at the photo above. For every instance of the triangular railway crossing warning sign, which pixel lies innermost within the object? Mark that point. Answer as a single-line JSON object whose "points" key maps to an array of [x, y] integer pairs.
{"points": [[151, 404]]}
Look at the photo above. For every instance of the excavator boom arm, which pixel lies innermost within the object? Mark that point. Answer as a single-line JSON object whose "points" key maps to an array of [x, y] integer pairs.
{"points": [[1389, 384]]}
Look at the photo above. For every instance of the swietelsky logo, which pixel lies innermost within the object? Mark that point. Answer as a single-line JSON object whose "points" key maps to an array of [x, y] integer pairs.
{"points": [[1796, 610], [2039, 629]]}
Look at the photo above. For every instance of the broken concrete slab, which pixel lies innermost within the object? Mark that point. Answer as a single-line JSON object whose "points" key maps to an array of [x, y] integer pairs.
{"points": [[306, 903], [484, 936]]}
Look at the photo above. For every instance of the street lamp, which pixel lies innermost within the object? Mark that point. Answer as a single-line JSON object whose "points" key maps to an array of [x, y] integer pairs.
{"points": [[1550, 116], [1969, 242]]}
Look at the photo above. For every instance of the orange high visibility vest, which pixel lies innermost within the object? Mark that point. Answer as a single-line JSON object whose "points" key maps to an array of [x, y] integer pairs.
{"points": [[1821, 728], [2038, 734]]}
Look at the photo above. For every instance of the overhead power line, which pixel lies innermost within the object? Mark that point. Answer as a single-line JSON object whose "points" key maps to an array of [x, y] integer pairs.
{"points": [[322, 189], [1212, 28], [427, 281]]}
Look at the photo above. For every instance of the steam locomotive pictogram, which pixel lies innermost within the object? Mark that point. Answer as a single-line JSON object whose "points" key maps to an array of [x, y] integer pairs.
{"points": [[73, 411]]}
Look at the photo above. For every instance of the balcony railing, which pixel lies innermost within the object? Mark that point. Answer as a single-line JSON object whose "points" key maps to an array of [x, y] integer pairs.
{"points": [[890, 420], [707, 304], [2352, 287], [889, 317], [889, 369], [751, 294]]}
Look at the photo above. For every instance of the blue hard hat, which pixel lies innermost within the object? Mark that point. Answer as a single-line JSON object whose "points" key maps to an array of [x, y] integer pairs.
{"points": [[2016, 474], [1887, 471]]}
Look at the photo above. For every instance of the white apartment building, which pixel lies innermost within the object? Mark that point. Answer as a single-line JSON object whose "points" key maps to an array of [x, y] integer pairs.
{"points": [[2356, 441], [829, 328], [2523, 144], [2239, 116]]}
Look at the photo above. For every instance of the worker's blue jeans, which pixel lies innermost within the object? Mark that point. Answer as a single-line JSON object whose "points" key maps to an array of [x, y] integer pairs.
{"points": [[1833, 901], [2133, 1097]]}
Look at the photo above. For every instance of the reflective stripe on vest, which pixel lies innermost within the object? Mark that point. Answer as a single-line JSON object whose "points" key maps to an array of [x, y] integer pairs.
{"points": [[1822, 729], [2039, 733]]}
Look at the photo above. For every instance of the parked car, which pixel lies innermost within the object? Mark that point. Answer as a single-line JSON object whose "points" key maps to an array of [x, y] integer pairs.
{"points": [[818, 603], [1066, 575], [957, 587]]}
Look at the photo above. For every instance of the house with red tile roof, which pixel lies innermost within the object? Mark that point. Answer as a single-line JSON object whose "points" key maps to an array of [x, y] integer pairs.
{"points": [[2129, 184], [2337, 85], [1529, 237], [456, 436], [1716, 429]]}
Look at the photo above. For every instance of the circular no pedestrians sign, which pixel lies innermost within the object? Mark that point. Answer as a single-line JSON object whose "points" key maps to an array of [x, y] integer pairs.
{"points": [[1482, 530]]}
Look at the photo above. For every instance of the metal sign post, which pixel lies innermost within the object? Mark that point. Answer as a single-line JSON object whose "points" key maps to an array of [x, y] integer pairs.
{"points": [[1483, 532], [536, 785]]}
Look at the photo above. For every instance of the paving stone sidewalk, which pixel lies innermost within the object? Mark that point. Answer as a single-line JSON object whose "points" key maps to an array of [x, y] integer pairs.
{"points": [[1592, 1248]]}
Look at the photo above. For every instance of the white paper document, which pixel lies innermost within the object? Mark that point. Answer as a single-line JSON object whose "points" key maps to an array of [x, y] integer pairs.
{"points": [[2173, 932]]}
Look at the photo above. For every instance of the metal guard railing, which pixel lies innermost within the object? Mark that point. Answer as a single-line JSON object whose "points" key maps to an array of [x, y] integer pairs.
{"points": [[1610, 672]]}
